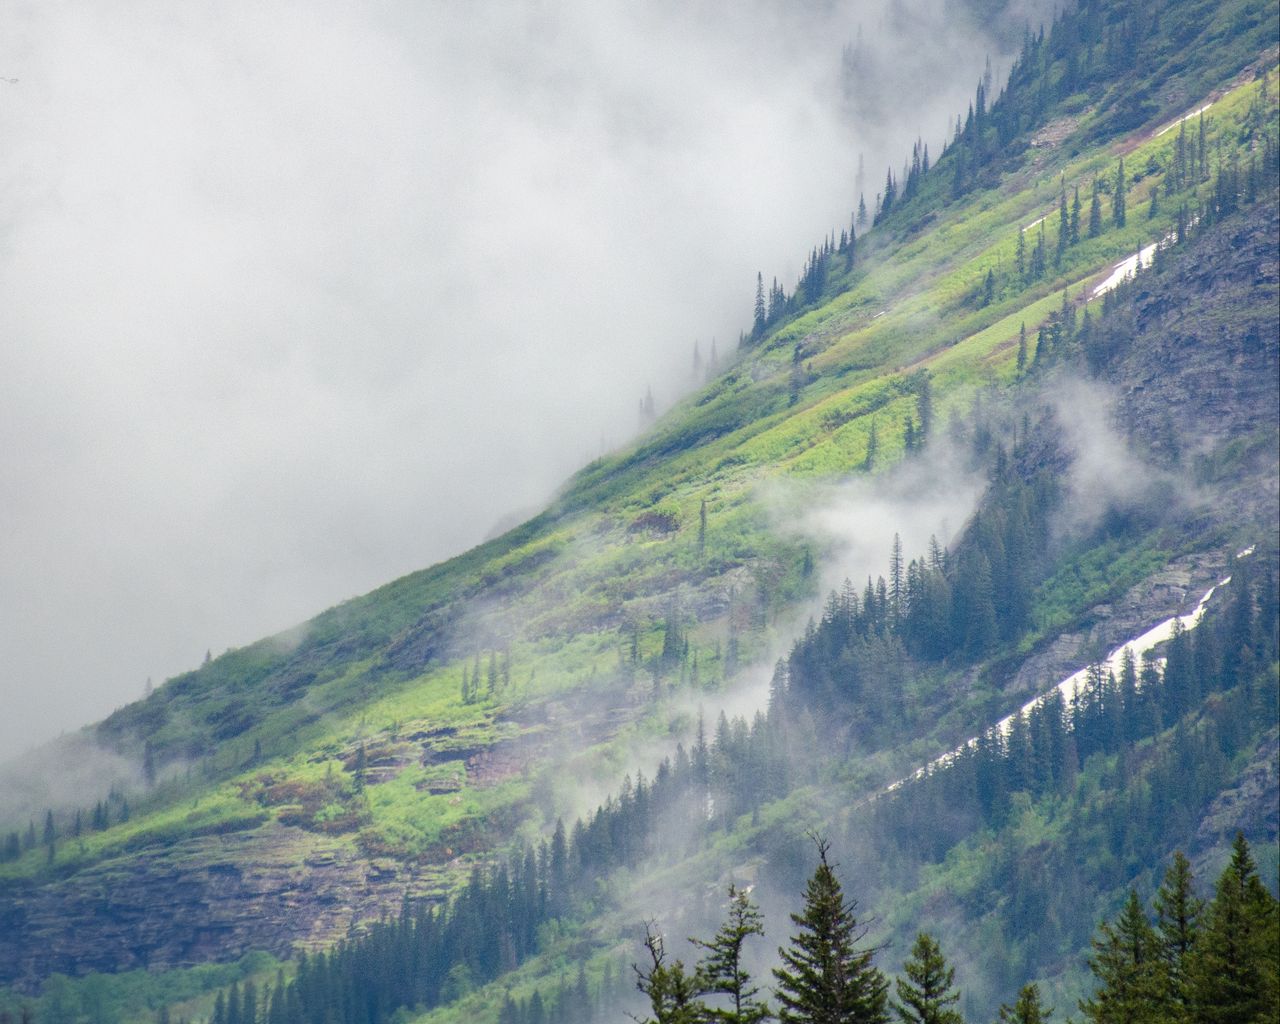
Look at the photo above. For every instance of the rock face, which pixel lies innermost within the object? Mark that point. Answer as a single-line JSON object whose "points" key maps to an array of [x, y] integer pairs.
{"points": [[1196, 356], [1175, 590], [199, 900]]}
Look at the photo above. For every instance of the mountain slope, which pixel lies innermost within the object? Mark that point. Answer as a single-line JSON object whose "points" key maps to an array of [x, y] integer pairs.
{"points": [[393, 744]]}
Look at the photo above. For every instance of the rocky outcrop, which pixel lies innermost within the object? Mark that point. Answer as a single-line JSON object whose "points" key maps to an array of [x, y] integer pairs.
{"points": [[276, 888]]}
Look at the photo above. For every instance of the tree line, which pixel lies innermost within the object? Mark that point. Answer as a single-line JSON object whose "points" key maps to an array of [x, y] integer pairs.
{"points": [[1214, 961]]}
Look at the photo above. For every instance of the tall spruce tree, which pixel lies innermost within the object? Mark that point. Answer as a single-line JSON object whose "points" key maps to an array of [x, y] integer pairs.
{"points": [[1118, 197], [1095, 210], [1178, 913], [825, 978], [927, 994], [721, 971], [1127, 965], [760, 318], [1236, 966], [1028, 1009]]}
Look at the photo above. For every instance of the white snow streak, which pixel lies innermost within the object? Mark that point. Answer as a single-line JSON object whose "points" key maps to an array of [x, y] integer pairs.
{"points": [[1126, 268], [1185, 117], [1139, 645]]}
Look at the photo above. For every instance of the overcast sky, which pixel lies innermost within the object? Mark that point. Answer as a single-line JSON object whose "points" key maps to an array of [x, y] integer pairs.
{"points": [[297, 298]]}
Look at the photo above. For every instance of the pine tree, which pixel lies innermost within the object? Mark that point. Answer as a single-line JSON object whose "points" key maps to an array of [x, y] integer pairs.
{"points": [[926, 994], [721, 971], [671, 990], [1118, 197], [1178, 913], [825, 978], [1129, 971], [1022, 346], [1064, 228], [1027, 1010], [1095, 210], [1236, 964], [760, 310]]}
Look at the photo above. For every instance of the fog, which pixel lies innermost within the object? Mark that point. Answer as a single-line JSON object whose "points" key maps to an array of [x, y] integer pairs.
{"points": [[298, 298]]}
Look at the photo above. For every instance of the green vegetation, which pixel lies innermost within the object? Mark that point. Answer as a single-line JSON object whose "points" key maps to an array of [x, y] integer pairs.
{"points": [[442, 721]]}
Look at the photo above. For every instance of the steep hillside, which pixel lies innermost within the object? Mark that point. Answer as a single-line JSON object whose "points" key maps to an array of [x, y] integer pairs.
{"points": [[1099, 452]]}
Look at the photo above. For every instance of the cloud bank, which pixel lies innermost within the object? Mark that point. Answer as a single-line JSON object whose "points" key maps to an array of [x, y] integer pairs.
{"points": [[296, 298]]}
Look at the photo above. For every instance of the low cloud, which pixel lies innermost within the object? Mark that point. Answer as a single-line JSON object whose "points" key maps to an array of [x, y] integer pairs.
{"points": [[298, 298]]}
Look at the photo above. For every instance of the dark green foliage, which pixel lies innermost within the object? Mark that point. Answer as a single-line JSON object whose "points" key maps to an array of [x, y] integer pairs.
{"points": [[721, 971], [1178, 913], [1118, 197], [1235, 968], [671, 990], [825, 978], [1029, 1009], [927, 994], [1126, 961], [945, 605]]}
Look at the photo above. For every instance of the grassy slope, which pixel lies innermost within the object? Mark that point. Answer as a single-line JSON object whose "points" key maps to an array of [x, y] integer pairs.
{"points": [[567, 581]]}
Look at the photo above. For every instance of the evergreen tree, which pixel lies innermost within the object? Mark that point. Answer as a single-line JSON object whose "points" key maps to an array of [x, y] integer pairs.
{"points": [[721, 971], [824, 977], [1178, 914], [671, 990], [1064, 228], [873, 448], [927, 993], [1022, 346], [760, 311], [1095, 210], [1118, 197], [1236, 963], [1126, 963], [1027, 1010]]}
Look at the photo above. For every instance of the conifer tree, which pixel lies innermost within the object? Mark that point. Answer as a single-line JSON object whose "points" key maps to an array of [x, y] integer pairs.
{"points": [[1064, 228], [1095, 211], [1118, 197], [927, 993], [1178, 913], [721, 971], [1236, 964], [760, 311], [1027, 1010], [825, 978], [671, 990], [873, 449], [1130, 974], [1022, 346]]}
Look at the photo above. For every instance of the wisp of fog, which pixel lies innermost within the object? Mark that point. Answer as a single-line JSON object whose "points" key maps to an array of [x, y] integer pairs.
{"points": [[296, 298]]}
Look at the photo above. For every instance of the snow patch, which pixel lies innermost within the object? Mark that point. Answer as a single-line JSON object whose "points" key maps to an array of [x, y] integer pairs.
{"points": [[1185, 117], [1069, 687], [1126, 268]]}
